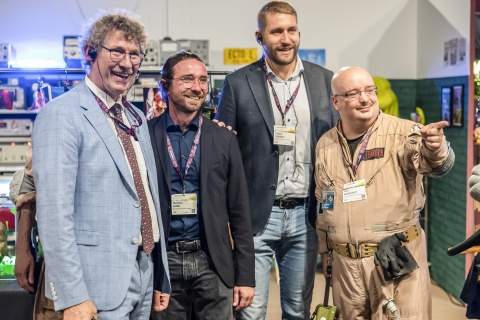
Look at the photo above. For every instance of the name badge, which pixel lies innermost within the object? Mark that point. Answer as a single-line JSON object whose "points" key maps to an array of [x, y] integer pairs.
{"points": [[328, 198], [283, 136], [183, 204], [354, 191]]}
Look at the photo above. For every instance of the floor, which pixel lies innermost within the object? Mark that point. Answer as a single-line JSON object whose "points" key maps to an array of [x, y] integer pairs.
{"points": [[443, 307]]}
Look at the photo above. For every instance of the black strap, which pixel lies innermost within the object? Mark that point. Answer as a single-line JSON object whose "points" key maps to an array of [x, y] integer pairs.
{"points": [[327, 285]]}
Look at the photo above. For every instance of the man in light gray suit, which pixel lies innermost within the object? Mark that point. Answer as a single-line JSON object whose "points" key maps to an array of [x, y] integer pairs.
{"points": [[280, 106], [97, 195]]}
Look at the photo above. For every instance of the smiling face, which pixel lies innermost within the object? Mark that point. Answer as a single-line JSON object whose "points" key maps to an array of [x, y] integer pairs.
{"points": [[356, 113], [280, 38], [114, 78], [187, 101]]}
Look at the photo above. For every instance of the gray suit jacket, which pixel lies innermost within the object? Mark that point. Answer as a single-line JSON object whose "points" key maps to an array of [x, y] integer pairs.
{"points": [[245, 105], [87, 204]]}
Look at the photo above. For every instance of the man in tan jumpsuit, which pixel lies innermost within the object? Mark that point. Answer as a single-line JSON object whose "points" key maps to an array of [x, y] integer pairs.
{"points": [[368, 175]]}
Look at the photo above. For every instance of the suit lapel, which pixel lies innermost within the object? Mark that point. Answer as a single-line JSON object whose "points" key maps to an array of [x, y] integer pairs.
{"points": [[206, 147], [97, 119], [160, 131], [312, 84], [258, 84]]}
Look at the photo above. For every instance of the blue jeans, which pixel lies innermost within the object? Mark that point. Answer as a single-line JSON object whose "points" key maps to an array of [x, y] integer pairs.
{"points": [[196, 288], [292, 239]]}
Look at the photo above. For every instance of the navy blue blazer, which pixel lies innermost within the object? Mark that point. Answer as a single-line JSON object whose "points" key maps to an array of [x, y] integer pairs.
{"points": [[223, 198]]}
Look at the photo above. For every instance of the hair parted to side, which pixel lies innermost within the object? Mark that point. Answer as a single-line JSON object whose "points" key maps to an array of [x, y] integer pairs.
{"points": [[274, 7], [95, 30], [167, 70]]}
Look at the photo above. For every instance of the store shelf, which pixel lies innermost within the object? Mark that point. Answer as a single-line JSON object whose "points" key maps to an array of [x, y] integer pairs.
{"points": [[12, 112], [42, 71]]}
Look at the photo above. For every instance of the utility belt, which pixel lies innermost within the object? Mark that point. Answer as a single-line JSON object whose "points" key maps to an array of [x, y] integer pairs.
{"points": [[185, 246], [363, 250], [289, 203]]}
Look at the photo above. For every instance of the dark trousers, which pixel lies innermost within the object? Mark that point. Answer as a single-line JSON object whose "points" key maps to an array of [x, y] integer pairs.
{"points": [[197, 290]]}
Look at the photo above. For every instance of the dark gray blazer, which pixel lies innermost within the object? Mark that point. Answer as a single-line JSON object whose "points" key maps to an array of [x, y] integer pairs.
{"points": [[245, 105], [223, 197]]}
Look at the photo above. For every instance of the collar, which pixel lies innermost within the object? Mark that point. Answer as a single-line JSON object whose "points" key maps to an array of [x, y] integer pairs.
{"points": [[192, 126], [109, 102], [296, 72], [338, 126]]}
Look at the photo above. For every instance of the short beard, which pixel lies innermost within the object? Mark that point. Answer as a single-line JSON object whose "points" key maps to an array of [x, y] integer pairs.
{"points": [[274, 57]]}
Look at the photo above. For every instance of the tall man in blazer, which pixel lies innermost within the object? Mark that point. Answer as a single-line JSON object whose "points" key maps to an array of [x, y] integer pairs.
{"points": [[97, 193], [280, 106], [203, 195]]}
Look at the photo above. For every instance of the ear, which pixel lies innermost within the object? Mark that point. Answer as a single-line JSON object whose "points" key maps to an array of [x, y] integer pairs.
{"points": [[258, 37], [334, 102], [89, 53]]}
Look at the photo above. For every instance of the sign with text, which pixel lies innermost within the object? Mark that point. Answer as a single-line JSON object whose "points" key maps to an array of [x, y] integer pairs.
{"points": [[316, 56], [240, 55]]}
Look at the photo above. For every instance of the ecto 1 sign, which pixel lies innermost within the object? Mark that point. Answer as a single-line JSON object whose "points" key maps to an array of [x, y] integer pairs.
{"points": [[240, 55]]}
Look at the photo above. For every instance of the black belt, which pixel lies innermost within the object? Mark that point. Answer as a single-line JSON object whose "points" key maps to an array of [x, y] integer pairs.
{"points": [[289, 203], [185, 246]]}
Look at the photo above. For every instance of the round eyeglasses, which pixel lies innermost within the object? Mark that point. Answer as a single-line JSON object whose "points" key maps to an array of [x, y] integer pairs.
{"points": [[189, 81], [117, 55]]}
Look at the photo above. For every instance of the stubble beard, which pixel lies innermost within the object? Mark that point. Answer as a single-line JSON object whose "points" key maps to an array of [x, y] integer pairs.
{"points": [[274, 55]]}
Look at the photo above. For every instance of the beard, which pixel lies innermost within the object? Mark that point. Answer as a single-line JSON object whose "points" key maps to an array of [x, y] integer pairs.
{"points": [[276, 57], [186, 105]]}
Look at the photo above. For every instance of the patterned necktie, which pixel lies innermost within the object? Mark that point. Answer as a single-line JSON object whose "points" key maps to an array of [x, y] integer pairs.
{"points": [[146, 229]]}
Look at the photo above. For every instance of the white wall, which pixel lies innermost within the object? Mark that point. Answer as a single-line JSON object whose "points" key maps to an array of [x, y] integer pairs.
{"points": [[400, 39]]}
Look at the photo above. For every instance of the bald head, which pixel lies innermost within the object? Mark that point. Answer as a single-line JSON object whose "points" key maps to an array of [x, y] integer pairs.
{"points": [[354, 96], [346, 76]]}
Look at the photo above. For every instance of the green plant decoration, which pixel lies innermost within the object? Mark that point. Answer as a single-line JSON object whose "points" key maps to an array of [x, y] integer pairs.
{"points": [[7, 266]]}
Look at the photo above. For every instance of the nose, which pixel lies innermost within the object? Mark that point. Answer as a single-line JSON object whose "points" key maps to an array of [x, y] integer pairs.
{"points": [[363, 96], [196, 85], [285, 37], [126, 62]]}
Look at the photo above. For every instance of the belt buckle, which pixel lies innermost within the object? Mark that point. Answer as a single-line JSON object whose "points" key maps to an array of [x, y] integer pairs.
{"points": [[178, 249], [353, 250], [366, 249], [287, 203]]}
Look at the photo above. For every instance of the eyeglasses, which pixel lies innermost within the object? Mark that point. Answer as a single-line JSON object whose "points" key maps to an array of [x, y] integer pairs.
{"points": [[355, 94], [117, 55], [189, 81]]}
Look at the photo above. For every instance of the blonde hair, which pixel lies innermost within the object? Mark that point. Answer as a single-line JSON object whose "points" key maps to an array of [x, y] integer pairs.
{"points": [[96, 29], [274, 7]]}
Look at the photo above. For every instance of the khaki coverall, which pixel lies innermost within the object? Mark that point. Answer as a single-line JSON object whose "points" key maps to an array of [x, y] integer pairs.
{"points": [[392, 166]]}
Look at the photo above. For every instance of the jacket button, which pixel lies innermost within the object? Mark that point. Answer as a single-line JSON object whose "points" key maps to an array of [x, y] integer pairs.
{"points": [[135, 241], [273, 187], [275, 154], [136, 204]]}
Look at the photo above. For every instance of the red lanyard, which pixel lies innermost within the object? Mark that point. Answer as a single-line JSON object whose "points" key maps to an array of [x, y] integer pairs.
{"points": [[193, 150], [277, 101], [120, 124]]}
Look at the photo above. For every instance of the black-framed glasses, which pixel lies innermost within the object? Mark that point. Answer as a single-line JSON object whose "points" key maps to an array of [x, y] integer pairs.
{"points": [[117, 55], [188, 82], [355, 94]]}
